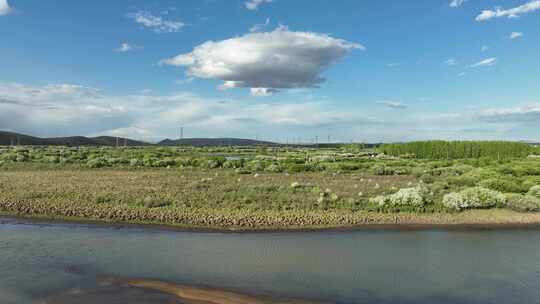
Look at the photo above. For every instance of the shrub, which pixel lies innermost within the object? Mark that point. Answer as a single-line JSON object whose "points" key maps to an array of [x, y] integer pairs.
{"points": [[97, 162], [503, 185], [534, 191], [296, 168], [255, 165], [428, 179], [275, 168], [414, 197], [462, 181], [382, 170], [522, 203], [233, 163], [153, 202], [476, 197], [326, 199]]}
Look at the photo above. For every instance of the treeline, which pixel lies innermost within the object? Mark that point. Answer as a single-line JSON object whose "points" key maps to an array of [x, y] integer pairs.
{"points": [[439, 149]]}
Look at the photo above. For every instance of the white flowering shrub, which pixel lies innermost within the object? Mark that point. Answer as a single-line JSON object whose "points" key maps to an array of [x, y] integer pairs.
{"points": [[523, 203], [414, 197], [454, 201], [534, 191], [476, 197]]}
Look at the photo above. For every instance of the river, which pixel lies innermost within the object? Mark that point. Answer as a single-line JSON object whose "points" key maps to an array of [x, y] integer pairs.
{"points": [[55, 262]]}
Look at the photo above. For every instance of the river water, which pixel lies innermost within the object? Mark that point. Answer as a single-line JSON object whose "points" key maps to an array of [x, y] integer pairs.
{"points": [[53, 263]]}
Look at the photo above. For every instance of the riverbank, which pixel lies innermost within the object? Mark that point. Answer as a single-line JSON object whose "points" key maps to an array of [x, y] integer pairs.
{"points": [[225, 200], [272, 222]]}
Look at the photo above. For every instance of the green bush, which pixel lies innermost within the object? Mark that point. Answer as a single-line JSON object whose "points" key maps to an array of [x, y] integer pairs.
{"points": [[153, 202], [462, 181], [274, 168], [474, 198], [534, 191], [296, 168], [503, 185], [523, 203], [382, 170], [97, 163]]}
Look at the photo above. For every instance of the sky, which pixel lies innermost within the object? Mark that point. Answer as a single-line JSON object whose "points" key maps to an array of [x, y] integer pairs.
{"points": [[280, 70]]}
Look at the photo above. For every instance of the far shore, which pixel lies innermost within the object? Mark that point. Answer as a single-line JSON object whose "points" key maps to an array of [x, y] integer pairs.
{"points": [[468, 220]]}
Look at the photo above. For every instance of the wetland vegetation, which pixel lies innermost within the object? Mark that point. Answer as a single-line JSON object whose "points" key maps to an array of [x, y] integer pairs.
{"points": [[276, 187]]}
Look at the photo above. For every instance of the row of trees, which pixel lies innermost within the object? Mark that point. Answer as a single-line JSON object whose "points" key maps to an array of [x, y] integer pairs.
{"points": [[438, 149]]}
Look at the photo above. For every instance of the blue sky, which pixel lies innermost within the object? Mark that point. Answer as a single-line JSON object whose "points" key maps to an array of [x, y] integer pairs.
{"points": [[277, 70]]}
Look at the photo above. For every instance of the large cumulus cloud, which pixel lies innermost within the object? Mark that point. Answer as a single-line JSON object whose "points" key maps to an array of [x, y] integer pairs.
{"points": [[4, 7], [265, 62]]}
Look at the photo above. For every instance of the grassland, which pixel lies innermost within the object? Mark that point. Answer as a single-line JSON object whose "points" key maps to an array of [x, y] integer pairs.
{"points": [[263, 188]]}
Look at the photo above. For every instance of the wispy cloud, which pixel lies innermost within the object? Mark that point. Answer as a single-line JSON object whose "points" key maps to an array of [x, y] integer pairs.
{"points": [[254, 4], [485, 62], [53, 108], [393, 64], [526, 113], [515, 35], [5, 8], [451, 62], [509, 13], [393, 104], [484, 48], [457, 3], [157, 23], [260, 27], [124, 47]]}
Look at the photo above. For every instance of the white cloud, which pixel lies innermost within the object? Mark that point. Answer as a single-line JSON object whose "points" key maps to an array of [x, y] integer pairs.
{"points": [[393, 104], [484, 48], [393, 64], [457, 3], [260, 27], [485, 62], [526, 113], [510, 13], [254, 4], [515, 35], [451, 62], [124, 47], [280, 59], [157, 23], [4, 8], [461, 74], [65, 109], [62, 110]]}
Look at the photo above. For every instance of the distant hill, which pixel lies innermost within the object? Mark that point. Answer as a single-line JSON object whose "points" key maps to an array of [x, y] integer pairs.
{"points": [[8, 138], [201, 142]]}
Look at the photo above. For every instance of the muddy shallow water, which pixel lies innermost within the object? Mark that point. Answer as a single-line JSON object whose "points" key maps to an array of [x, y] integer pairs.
{"points": [[77, 263]]}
